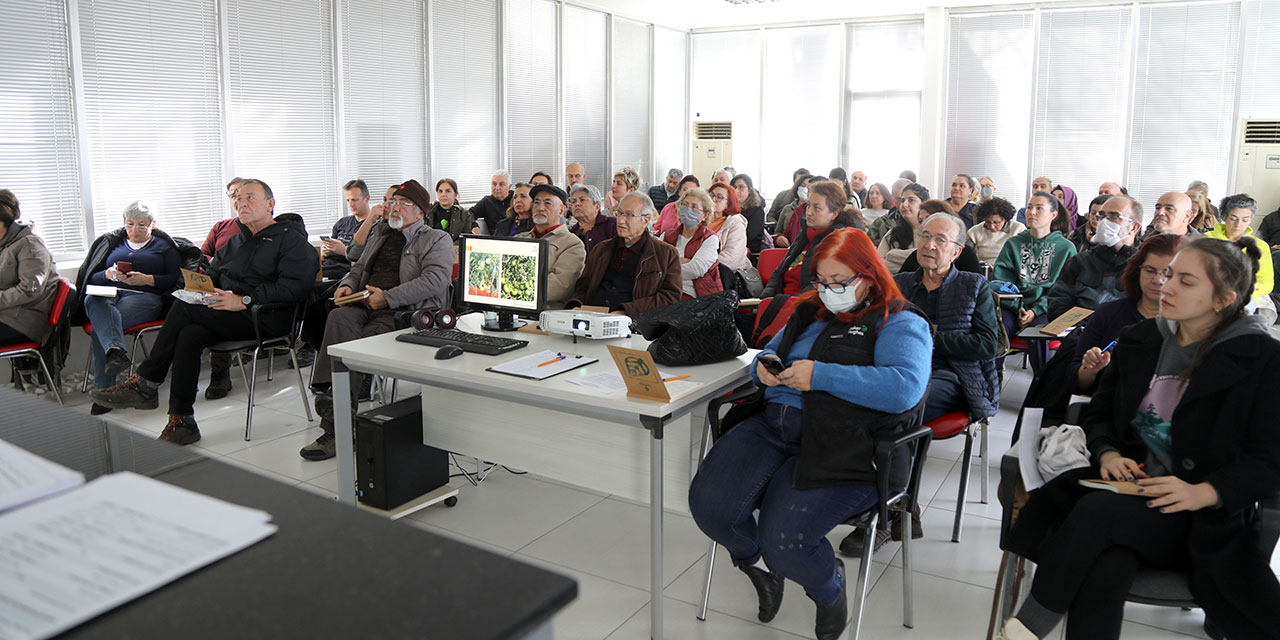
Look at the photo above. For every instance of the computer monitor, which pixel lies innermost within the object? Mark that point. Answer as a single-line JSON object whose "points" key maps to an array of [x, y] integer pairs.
{"points": [[507, 276]]}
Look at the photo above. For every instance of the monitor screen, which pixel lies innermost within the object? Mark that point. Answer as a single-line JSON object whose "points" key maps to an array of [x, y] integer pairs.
{"points": [[503, 274]]}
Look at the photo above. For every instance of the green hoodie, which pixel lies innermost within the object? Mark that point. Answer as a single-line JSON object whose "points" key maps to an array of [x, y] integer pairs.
{"points": [[1033, 265]]}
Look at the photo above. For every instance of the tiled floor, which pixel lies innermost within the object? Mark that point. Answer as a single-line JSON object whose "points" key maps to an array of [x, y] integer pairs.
{"points": [[602, 541]]}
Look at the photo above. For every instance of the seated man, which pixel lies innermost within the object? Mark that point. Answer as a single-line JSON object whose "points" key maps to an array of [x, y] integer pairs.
{"points": [[633, 272], [270, 261], [493, 207], [565, 253], [1173, 215], [406, 265], [1092, 278]]}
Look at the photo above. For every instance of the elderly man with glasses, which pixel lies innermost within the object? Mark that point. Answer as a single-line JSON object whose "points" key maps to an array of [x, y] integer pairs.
{"points": [[633, 272], [1093, 277]]}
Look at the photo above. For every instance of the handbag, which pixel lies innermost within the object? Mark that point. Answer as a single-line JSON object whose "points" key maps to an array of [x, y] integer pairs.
{"points": [[749, 284], [691, 332]]}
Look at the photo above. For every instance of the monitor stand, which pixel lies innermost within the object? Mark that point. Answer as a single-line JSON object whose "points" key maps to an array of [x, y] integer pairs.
{"points": [[505, 321]]}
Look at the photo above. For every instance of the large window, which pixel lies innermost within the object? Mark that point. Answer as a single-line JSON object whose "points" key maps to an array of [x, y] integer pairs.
{"points": [[725, 86], [1260, 84], [531, 88], [384, 94], [670, 126], [884, 77], [631, 77], [801, 103], [586, 107], [465, 123]]}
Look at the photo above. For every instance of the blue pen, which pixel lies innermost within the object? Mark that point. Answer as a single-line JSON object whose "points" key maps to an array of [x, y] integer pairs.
{"points": [[1108, 347]]}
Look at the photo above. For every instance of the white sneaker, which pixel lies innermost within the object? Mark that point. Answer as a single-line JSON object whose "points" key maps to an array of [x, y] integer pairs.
{"points": [[1015, 630]]}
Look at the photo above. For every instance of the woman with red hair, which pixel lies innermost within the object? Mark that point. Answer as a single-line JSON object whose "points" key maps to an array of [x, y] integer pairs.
{"points": [[729, 225], [853, 362]]}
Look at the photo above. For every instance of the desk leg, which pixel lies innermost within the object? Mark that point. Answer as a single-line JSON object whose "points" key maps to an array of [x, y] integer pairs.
{"points": [[654, 425], [343, 432]]}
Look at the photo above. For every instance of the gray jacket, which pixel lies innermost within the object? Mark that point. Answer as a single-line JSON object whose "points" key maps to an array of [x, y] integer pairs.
{"points": [[425, 268], [28, 282]]}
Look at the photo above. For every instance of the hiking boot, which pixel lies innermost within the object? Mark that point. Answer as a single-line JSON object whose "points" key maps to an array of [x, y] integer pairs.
{"points": [[97, 409], [219, 376], [832, 618], [895, 526], [322, 449], [768, 588], [117, 362], [366, 390], [181, 430], [324, 406], [130, 394], [851, 546]]}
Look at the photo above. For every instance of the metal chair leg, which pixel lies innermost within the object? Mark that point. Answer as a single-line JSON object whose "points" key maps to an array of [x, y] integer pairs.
{"points": [[53, 384], [271, 363], [706, 584], [88, 369], [864, 573], [240, 364], [302, 389], [908, 608], [986, 460], [248, 421], [964, 483]]}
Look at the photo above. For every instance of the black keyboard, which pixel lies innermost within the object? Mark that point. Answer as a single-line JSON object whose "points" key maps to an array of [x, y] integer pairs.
{"points": [[473, 342]]}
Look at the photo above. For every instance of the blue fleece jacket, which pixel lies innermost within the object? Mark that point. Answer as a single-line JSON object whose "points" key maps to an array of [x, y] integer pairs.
{"points": [[895, 384]]}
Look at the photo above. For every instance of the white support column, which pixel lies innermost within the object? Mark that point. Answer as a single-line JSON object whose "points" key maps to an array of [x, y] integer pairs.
{"points": [[933, 96]]}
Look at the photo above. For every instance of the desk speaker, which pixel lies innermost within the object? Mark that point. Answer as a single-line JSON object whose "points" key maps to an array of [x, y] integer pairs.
{"points": [[392, 465]]}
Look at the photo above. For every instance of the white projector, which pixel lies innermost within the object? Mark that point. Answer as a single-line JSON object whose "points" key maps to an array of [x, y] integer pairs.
{"points": [[588, 324]]}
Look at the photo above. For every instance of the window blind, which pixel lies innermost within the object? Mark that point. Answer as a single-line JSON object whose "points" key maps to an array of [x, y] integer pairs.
{"points": [[465, 122], [801, 106], [152, 113], [726, 87], [670, 127], [37, 127], [586, 109], [631, 76], [1260, 84], [532, 118], [1184, 97], [989, 79], [884, 77], [282, 103], [1082, 96], [384, 93]]}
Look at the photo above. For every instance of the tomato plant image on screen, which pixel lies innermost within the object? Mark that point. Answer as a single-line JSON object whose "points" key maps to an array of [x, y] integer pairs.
{"points": [[482, 274], [519, 277]]}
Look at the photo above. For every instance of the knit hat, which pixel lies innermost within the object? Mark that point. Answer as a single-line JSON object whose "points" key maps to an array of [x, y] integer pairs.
{"points": [[414, 191]]}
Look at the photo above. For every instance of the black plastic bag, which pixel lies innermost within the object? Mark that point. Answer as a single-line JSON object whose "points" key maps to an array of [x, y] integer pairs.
{"points": [[697, 331]]}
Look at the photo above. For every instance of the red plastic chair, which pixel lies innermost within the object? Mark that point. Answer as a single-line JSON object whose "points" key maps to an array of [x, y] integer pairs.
{"points": [[32, 348], [137, 331], [953, 424], [768, 262]]}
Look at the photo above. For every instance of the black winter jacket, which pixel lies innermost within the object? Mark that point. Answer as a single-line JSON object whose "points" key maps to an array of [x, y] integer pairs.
{"points": [[277, 264]]}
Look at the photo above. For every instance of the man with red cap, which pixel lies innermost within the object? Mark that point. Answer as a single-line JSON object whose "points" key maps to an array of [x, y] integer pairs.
{"points": [[406, 264]]}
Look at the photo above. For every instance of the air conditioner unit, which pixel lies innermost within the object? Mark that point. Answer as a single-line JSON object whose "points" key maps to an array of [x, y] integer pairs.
{"points": [[1258, 164], [712, 149]]}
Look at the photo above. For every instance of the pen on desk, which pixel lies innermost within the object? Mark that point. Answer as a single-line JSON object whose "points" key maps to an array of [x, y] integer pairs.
{"points": [[553, 360], [1108, 347], [675, 378]]}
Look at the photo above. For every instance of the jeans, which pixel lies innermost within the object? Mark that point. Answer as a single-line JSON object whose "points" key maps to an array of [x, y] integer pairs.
{"points": [[751, 468], [945, 395], [110, 317]]}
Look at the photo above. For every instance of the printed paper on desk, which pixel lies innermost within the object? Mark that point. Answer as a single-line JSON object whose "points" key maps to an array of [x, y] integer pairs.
{"points": [[1065, 322], [640, 373], [1029, 448], [199, 282]]}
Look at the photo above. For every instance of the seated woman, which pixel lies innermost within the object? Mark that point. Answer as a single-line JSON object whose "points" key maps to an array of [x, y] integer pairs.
{"points": [[519, 215], [625, 180], [1237, 213], [726, 220], [1202, 218], [668, 218], [901, 239], [995, 225], [752, 206], [877, 204], [968, 259], [1067, 198], [153, 261], [1142, 281], [28, 278], [856, 363], [446, 214], [1188, 411], [698, 246], [826, 213], [1032, 260], [788, 226]]}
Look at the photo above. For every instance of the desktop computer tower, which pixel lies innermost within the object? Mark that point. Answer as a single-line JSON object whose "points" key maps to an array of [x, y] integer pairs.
{"points": [[392, 465]]}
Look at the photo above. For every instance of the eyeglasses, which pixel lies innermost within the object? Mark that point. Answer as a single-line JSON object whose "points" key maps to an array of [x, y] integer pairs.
{"points": [[925, 238], [402, 204], [719, 197], [632, 216], [835, 287], [1114, 217], [1152, 273]]}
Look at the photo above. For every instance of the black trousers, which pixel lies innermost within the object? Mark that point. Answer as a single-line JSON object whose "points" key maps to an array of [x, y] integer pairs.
{"points": [[11, 336], [1090, 546], [188, 330]]}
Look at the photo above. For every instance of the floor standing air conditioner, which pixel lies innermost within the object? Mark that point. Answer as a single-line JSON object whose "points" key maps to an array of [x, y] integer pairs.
{"points": [[1258, 164], [712, 149]]}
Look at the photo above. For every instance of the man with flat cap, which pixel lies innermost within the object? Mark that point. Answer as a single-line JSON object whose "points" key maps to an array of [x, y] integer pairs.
{"points": [[406, 265], [565, 252]]}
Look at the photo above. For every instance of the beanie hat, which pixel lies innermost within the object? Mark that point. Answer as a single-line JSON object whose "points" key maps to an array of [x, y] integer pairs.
{"points": [[414, 191]]}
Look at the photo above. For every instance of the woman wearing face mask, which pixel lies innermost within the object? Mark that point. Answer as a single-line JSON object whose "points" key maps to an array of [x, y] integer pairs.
{"points": [[698, 246], [788, 223], [826, 212], [855, 360], [1187, 410], [669, 218], [446, 214], [1237, 213], [519, 214], [752, 206], [1032, 260], [730, 227], [995, 226], [1082, 236], [901, 239], [878, 202]]}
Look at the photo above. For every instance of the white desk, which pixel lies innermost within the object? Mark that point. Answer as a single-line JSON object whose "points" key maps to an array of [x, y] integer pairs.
{"points": [[550, 427]]}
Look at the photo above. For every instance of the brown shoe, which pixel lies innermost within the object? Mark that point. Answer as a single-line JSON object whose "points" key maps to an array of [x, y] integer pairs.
{"points": [[130, 394], [851, 546], [181, 430], [917, 530]]}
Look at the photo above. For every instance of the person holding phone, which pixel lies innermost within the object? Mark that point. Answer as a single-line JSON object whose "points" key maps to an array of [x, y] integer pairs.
{"points": [[852, 364], [143, 264], [1186, 410]]}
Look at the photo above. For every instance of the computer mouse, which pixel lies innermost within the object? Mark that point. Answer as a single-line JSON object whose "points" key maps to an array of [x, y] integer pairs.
{"points": [[448, 351]]}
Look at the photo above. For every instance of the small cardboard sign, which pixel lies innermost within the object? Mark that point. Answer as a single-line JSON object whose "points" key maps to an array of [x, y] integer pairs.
{"points": [[587, 307], [199, 282], [640, 373], [1066, 321]]}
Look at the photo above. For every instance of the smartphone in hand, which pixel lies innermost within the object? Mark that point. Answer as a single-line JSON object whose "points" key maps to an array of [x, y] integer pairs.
{"points": [[772, 364], [124, 267]]}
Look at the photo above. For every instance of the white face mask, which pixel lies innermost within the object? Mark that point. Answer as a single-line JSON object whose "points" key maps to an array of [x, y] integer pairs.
{"points": [[1108, 233], [843, 301], [803, 194], [395, 222], [689, 217]]}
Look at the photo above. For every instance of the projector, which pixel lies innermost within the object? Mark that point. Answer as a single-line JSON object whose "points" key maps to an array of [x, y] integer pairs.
{"points": [[588, 324]]}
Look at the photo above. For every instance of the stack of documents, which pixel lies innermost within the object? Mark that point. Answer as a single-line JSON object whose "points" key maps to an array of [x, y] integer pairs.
{"points": [[26, 477]]}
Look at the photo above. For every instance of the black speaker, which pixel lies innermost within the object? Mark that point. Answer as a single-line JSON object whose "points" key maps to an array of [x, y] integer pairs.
{"points": [[392, 465]]}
